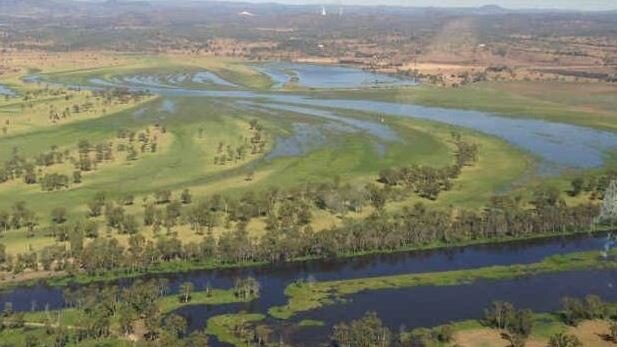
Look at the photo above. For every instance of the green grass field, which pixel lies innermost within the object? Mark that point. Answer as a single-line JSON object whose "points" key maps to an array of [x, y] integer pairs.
{"points": [[194, 129], [196, 126], [588, 104]]}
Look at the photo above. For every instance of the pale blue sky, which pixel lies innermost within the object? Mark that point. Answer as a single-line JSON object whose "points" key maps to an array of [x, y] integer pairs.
{"points": [[517, 4], [585, 5]]}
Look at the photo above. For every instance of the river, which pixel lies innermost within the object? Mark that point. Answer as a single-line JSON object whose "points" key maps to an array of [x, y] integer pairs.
{"points": [[557, 146]]}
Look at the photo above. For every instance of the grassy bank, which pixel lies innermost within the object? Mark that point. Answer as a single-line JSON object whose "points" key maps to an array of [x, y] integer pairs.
{"points": [[306, 296], [61, 279]]}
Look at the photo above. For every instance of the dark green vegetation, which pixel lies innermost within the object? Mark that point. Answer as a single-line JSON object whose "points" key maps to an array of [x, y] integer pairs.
{"points": [[113, 316]]}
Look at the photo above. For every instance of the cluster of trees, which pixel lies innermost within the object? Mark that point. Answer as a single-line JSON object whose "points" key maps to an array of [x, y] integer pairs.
{"points": [[56, 114], [89, 156], [427, 181], [253, 145], [369, 331], [591, 307], [15, 167], [594, 185], [145, 141], [51, 157], [129, 141], [119, 95], [245, 288], [54, 181], [516, 323], [106, 97], [18, 167], [99, 307]]}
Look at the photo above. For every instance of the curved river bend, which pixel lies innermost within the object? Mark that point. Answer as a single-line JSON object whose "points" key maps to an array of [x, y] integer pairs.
{"points": [[558, 146]]}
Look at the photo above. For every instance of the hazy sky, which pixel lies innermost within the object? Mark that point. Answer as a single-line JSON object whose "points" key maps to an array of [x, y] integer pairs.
{"points": [[559, 4]]}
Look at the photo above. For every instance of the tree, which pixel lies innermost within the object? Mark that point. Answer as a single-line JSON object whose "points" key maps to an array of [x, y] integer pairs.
{"points": [[76, 241], [149, 214], [96, 204], [162, 196], [77, 178], [32, 341], [126, 316], [152, 322], [186, 289], [114, 216], [175, 325], [577, 184], [246, 288], [444, 333], [499, 315], [613, 331], [58, 215], [186, 197], [2, 253], [128, 199], [576, 310], [130, 225], [368, 331], [608, 212], [61, 337], [516, 340], [546, 196], [564, 340]]}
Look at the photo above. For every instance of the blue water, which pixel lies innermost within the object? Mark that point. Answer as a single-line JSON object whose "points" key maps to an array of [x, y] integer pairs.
{"points": [[4, 90], [328, 76], [557, 146], [209, 77]]}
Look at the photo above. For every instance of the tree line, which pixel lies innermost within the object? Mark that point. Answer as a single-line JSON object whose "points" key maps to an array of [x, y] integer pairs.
{"points": [[428, 181], [288, 234], [111, 311]]}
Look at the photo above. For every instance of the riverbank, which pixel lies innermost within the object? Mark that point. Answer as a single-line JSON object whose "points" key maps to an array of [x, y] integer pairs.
{"points": [[308, 295], [591, 333], [62, 279], [566, 102], [74, 319]]}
